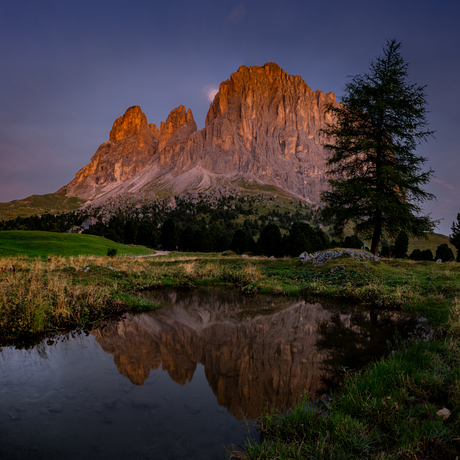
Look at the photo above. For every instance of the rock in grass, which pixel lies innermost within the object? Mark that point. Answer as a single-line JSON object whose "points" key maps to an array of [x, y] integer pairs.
{"points": [[444, 413], [321, 257]]}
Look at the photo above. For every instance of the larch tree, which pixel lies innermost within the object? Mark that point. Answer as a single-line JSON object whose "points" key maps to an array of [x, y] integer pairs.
{"points": [[376, 178], [455, 236]]}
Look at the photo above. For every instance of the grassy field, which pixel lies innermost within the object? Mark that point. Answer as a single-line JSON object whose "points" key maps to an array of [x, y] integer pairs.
{"points": [[39, 204], [434, 240], [387, 411], [43, 244], [425, 287]]}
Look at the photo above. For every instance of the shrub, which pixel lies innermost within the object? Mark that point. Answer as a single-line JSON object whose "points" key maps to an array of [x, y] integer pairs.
{"points": [[303, 237], [385, 250], [399, 249], [168, 237], [111, 252], [426, 255], [444, 253], [241, 242], [416, 254], [352, 242], [270, 241]]}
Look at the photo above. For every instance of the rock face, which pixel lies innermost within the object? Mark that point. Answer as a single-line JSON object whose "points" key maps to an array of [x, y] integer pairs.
{"points": [[130, 148], [265, 122], [262, 125]]}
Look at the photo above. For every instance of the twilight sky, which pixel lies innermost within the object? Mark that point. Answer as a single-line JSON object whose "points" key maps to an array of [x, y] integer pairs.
{"points": [[70, 68]]}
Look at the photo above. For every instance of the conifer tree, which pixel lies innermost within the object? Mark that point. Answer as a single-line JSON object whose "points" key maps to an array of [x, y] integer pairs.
{"points": [[168, 237], [376, 179], [399, 249], [444, 253], [455, 236]]}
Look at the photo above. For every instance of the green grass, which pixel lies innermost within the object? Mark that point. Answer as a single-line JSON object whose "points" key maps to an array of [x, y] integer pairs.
{"points": [[39, 204], [434, 240], [42, 244], [427, 288], [387, 411]]}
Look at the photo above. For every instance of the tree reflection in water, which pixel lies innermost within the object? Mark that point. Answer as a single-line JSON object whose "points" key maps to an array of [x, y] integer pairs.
{"points": [[352, 340]]}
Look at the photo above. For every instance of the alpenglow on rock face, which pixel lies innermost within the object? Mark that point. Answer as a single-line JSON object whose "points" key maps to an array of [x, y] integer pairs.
{"points": [[262, 126]]}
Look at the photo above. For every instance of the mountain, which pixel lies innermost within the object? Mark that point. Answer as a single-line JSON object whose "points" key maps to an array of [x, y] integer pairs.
{"points": [[261, 129]]}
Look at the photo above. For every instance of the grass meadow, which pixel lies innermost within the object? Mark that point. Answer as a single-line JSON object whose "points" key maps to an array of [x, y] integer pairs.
{"points": [[389, 410], [43, 244]]}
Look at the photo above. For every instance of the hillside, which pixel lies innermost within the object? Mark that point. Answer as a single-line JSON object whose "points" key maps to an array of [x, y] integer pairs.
{"points": [[39, 204], [433, 241], [39, 244]]}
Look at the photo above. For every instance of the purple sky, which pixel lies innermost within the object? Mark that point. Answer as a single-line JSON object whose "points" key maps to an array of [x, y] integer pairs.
{"points": [[70, 68]]}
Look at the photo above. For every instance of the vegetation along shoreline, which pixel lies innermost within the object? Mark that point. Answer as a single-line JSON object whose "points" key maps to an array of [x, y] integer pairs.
{"points": [[388, 410]]}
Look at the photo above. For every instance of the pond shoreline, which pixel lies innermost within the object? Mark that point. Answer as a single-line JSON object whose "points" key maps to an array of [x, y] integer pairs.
{"points": [[64, 293]]}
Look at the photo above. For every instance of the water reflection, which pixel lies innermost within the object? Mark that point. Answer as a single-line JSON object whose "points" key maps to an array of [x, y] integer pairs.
{"points": [[254, 350], [228, 355]]}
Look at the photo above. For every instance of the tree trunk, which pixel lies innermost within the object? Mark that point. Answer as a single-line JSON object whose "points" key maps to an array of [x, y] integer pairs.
{"points": [[377, 233], [375, 243]]}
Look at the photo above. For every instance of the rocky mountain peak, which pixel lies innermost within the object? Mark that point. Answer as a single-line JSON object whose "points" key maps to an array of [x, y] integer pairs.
{"points": [[179, 124], [131, 123], [262, 126]]}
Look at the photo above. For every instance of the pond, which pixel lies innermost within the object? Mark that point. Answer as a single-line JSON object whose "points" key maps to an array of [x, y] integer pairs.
{"points": [[178, 383]]}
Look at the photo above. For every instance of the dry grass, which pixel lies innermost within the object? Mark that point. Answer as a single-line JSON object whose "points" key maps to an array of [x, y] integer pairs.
{"points": [[61, 288]]}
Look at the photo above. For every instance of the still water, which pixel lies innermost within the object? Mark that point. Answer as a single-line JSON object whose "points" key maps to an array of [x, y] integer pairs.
{"points": [[177, 383]]}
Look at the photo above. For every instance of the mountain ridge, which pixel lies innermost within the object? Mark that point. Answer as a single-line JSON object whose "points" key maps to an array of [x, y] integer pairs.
{"points": [[262, 126]]}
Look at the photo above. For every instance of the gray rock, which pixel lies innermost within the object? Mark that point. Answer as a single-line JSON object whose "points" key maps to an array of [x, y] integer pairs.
{"points": [[321, 257], [439, 261]]}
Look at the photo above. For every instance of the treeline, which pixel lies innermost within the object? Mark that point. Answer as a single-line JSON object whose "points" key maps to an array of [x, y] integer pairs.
{"points": [[189, 225], [226, 224], [231, 212], [301, 237], [401, 245], [46, 222]]}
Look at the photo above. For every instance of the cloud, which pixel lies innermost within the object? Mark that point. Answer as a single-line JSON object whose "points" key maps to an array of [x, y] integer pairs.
{"points": [[210, 91], [237, 14], [444, 184]]}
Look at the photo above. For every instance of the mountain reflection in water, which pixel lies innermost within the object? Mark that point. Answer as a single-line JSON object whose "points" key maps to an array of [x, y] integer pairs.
{"points": [[254, 350]]}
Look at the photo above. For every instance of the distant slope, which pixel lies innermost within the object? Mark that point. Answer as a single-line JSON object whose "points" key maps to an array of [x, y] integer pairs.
{"points": [[39, 204], [433, 241], [36, 244]]}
